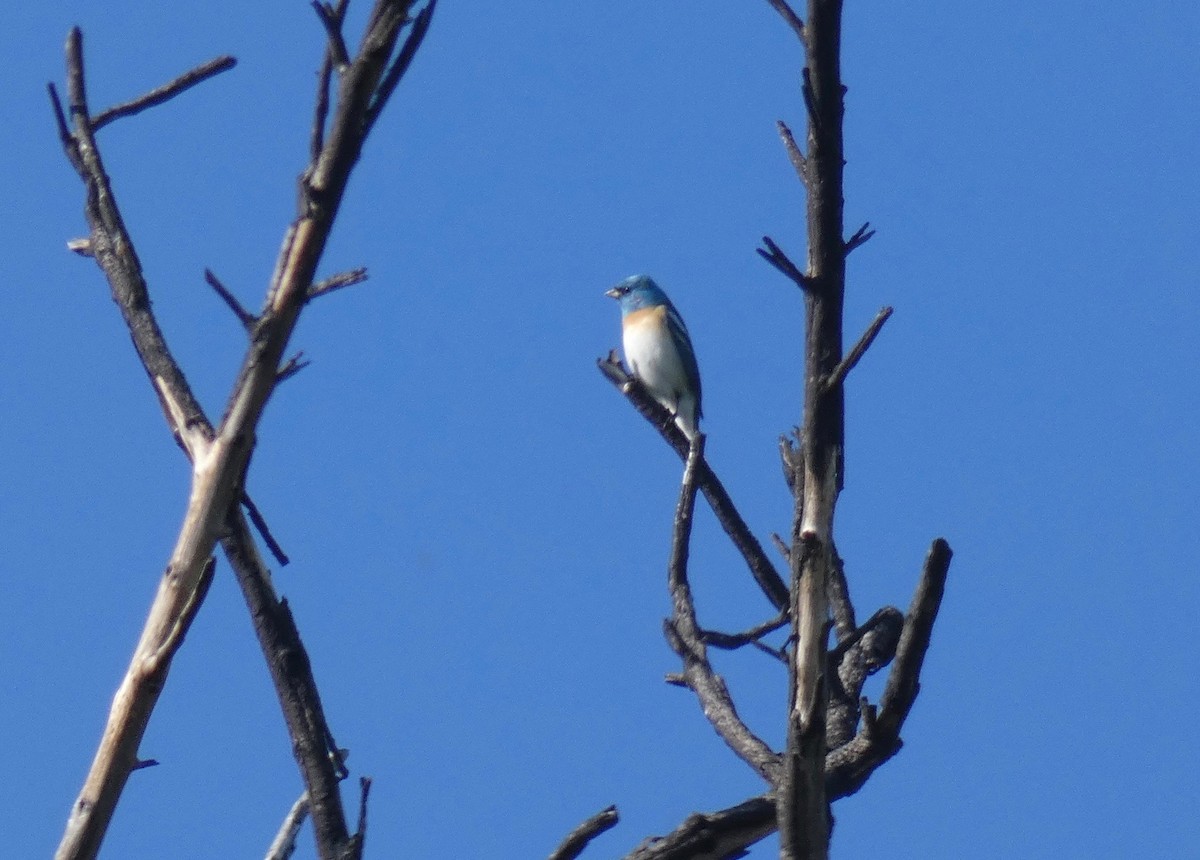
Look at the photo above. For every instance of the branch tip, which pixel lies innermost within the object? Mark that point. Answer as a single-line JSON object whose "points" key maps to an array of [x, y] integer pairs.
{"points": [[166, 92], [775, 256], [577, 840], [247, 319], [838, 375]]}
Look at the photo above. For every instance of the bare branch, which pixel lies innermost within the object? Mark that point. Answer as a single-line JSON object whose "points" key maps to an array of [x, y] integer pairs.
{"points": [[337, 282], [903, 680], [731, 521], [284, 844], [865, 651], [65, 138], [730, 641], [773, 255], [839, 599], [684, 636], [795, 156], [810, 104], [854, 356], [221, 455], [247, 319], [291, 672], [331, 20], [803, 807], [793, 20], [164, 93], [264, 530], [291, 367], [719, 835], [321, 103], [577, 840], [792, 460], [860, 237], [360, 832], [784, 549], [420, 26]]}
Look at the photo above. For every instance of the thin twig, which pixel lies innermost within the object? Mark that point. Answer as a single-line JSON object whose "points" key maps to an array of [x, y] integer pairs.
{"points": [[291, 367], [730, 641], [722, 505], [775, 256], [795, 156], [810, 104], [420, 26], [793, 20], [838, 376], [578, 839], [331, 20], [164, 93], [337, 282], [784, 549], [260, 523], [284, 844], [860, 237], [247, 319]]}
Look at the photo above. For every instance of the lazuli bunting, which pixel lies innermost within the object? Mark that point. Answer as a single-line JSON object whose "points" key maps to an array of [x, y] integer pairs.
{"points": [[659, 350]]}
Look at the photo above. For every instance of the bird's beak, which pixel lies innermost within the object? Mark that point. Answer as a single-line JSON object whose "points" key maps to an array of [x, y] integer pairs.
{"points": [[614, 293]]}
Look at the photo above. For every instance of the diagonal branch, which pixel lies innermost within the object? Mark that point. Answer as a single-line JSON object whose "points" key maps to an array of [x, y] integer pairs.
{"points": [[579, 838], [903, 680], [713, 835], [317, 756], [316, 140], [247, 319], [283, 846], [854, 356], [220, 455], [793, 20], [730, 641], [166, 92], [860, 237], [420, 26], [839, 598], [731, 521], [775, 256], [685, 638], [337, 282], [331, 19], [795, 156]]}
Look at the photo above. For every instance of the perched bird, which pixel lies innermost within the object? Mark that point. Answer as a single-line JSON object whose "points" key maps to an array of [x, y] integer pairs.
{"points": [[659, 350]]}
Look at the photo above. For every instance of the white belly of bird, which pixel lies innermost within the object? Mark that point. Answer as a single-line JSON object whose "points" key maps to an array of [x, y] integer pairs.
{"points": [[655, 361]]}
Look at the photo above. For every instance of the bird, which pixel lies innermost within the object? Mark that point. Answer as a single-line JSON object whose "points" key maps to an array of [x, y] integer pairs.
{"points": [[659, 350]]}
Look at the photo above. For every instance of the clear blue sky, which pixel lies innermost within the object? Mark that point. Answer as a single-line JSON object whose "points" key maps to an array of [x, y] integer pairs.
{"points": [[480, 524]]}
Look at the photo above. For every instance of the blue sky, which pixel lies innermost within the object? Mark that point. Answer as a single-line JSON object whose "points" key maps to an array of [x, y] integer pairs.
{"points": [[479, 524]]}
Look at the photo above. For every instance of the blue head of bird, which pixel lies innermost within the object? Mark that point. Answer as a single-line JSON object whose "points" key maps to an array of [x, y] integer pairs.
{"points": [[637, 292]]}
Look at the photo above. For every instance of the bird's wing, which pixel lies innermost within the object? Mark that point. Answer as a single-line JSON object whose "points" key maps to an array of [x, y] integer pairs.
{"points": [[683, 345]]}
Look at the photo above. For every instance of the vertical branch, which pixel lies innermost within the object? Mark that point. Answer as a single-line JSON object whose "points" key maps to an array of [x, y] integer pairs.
{"points": [[803, 812]]}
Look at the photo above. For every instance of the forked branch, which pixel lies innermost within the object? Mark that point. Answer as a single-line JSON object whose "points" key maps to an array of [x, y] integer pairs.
{"points": [[220, 454]]}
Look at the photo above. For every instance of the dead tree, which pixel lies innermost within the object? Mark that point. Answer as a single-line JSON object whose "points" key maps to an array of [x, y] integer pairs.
{"points": [[835, 737], [352, 92]]}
